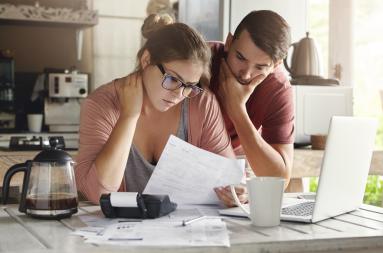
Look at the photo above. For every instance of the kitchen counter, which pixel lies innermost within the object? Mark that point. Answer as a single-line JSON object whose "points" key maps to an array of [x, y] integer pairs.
{"points": [[307, 163], [71, 139]]}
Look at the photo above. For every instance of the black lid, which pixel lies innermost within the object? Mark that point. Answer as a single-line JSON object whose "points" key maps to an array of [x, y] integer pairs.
{"points": [[53, 154]]}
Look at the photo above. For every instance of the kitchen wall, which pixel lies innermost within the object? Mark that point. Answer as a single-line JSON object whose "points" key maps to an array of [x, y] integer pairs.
{"points": [[116, 38], [293, 11]]}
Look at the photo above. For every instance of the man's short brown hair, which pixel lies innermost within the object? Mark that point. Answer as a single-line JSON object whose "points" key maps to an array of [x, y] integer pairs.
{"points": [[269, 31]]}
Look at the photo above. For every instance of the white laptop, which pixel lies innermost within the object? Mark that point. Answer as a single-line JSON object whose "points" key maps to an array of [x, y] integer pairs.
{"points": [[344, 172]]}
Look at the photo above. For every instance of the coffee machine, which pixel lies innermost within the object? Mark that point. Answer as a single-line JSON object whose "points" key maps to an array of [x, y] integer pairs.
{"points": [[62, 103]]}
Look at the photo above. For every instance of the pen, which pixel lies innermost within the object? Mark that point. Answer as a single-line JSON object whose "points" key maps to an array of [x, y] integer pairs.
{"points": [[126, 239], [130, 220], [187, 222]]}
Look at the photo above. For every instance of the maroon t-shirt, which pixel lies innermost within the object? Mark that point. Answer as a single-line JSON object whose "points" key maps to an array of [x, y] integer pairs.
{"points": [[270, 106]]}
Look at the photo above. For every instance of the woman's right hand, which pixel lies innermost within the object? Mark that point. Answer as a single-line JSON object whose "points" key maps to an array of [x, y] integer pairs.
{"points": [[130, 95]]}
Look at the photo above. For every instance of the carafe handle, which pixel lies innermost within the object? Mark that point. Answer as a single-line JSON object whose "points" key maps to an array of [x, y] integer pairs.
{"points": [[7, 179], [288, 68]]}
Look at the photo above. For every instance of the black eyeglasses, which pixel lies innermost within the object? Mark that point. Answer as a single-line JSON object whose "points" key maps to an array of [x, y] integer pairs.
{"points": [[172, 83]]}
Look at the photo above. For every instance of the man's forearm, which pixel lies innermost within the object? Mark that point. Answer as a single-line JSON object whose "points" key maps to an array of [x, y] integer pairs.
{"points": [[262, 157]]}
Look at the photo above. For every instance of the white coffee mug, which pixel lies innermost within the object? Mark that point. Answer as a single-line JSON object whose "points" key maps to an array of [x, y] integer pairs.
{"points": [[35, 122], [265, 200]]}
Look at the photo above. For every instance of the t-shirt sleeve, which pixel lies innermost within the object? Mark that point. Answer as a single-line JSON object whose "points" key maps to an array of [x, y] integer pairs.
{"points": [[96, 125], [213, 135], [278, 126]]}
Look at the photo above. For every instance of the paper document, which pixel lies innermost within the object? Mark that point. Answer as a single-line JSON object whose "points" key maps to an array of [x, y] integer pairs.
{"points": [[164, 231], [189, 174], [207, 232]]}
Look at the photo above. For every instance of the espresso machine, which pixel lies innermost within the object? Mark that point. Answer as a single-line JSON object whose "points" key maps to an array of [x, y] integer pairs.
{"points": [[62, 103]]}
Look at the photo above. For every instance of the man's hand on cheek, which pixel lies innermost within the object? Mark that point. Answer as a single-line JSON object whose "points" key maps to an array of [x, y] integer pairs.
{"points": [[233, 95]]}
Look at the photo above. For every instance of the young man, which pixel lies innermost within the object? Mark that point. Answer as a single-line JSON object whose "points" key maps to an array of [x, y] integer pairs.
{"points": [[255, 95]]}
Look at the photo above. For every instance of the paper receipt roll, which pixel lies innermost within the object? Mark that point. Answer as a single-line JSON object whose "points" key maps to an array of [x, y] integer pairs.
{"points": [[123, 199]]}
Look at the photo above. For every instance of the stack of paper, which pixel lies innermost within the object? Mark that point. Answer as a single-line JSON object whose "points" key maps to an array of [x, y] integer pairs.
{"points": [[205, 232]]}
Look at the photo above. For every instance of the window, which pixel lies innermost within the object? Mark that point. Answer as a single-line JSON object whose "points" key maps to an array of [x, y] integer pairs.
{"points": [[351, 35], [359, 35], [368, 61], [318, 27]]}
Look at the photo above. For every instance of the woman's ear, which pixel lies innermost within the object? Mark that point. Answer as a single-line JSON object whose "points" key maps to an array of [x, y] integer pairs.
{"points": [[277, 63], [145, 59]]}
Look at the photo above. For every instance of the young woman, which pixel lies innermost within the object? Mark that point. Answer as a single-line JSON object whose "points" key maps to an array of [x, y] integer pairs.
{"points": [[125, 124]]}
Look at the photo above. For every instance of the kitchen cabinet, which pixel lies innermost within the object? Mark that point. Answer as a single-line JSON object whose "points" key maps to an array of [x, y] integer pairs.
{"points": [[37, 15], [47, 37]]}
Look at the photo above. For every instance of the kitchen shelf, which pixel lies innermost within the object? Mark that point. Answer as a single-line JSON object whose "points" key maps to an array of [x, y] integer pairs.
{"points": [[46, 16]]}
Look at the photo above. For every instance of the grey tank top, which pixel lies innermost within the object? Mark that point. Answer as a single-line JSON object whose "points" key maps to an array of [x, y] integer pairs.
{"points": [[138, 170]]}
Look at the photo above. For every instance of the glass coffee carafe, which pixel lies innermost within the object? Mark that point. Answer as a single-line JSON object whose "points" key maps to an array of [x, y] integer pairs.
{"points": [[49, 187]]}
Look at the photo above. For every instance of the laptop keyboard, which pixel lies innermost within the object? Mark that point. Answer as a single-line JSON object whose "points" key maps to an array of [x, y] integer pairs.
{"points": [[302, 209]]}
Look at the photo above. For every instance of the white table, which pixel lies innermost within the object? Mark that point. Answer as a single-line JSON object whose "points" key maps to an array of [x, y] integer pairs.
{"points": [[358, 231]]}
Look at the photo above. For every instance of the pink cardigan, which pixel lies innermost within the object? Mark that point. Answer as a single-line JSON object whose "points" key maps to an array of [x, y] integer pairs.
{"points": [[99, 114]]}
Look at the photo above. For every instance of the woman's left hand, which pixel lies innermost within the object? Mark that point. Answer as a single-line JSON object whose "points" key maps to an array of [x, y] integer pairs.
{"points": [[224, 194]]}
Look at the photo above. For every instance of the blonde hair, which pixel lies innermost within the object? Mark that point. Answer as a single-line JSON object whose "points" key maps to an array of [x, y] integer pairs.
{"points": [[168, 41], [154, 22]]}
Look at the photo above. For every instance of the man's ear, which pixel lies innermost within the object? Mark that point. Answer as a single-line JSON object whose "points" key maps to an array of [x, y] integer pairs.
{"points": [[229, 40], [145, 59]]}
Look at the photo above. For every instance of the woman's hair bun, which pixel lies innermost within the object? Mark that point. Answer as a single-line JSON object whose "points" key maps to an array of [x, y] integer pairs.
{"points": [[155, 22]]}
